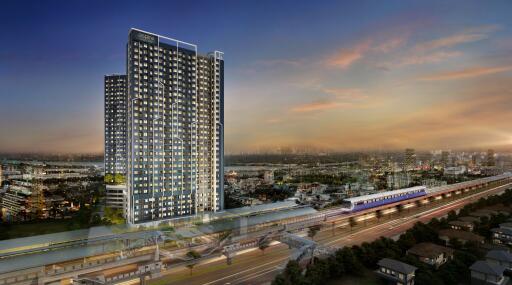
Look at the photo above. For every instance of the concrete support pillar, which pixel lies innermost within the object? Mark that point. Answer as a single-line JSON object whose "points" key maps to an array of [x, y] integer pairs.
{"points": [[243, 226]]}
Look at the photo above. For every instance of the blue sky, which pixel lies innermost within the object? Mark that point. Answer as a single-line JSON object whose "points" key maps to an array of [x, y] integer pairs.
{"points": [[340, 75]]}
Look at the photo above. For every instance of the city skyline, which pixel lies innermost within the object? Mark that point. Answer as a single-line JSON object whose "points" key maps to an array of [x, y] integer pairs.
{"points": [[419, 75]]}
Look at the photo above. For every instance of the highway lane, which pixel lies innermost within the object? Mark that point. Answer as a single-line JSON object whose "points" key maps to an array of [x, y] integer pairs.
{"points": [[252, 267]]}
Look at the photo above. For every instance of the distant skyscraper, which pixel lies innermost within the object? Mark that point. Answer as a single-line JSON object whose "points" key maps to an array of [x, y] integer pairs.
{"points": [[410, 159], [474, 159], [444, 158], [175, 129], [490, 158], [115, 124]]}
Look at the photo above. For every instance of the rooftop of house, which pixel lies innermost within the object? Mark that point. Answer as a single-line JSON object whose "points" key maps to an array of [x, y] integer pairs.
{"points": [[461, 235], [480, 214], [461, 223], [506, 225], [397, 266], [469, 219], [487, 268], [431, 250], [500, 255], [507, 231], [488, 211], [500, 208]]}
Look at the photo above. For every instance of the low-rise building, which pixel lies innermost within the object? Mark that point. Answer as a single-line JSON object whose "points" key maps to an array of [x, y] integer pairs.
{"points": [[501, 236], [455, 170], [500, 257], [396, 271], [507, 225], [480, 214], [16, 203], [431, 254], [116, 196], [469, 219], [485, 273], [462, 236], [462, 225]]}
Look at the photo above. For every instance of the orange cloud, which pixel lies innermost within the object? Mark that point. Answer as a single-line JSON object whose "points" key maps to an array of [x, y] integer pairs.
{"points": [[466, 73], [318, 106], [346, 57], [274, 120], [428, 58], [468, 36], [346, 93], [390, 45]]}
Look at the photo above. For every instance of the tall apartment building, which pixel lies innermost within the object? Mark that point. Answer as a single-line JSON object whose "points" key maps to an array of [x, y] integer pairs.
{"points": [[175, 129], [115, 124], [491, 161], [409, 159]]}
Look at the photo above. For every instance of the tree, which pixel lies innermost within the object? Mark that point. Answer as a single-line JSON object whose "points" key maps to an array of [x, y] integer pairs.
{"points": [[455, 243], [352, 222], [452, 215], [119, 179], [114, 216], [349, 260], [292, 275], [264, 244], [313, 230], [109, 178], [400, 208], [193, 255], [378, 215], [406, 241], [318, 272]]}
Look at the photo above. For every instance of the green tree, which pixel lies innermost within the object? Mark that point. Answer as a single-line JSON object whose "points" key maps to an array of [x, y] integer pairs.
{"points": [[318, 272], [352, 222], [109, 178], [452, 215], [114, 216], [194, 256], [291, 275], [264, 244], [119, 179], [313, 230], [378, 215]]}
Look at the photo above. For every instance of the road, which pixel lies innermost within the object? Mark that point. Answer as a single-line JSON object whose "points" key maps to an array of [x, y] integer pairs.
{"points": [[254, 267]]}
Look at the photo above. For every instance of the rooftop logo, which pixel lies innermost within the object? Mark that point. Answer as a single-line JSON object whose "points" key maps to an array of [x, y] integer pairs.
{"points": [[146, 38]]}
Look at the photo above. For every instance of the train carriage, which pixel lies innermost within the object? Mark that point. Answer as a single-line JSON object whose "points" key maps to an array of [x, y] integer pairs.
{"points": [[359, 203]]}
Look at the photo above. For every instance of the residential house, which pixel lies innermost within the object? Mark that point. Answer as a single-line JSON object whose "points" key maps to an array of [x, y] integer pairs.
{"points": [[462, 236], [432, 254], [500, 257], [501, 235], [461, 225], [485, 273], [396, 272]]}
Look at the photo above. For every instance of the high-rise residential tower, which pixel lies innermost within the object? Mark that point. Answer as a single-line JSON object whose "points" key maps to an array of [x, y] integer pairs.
{"points": [[115, 124], [175, 129], [409, 159], [491, 161]]}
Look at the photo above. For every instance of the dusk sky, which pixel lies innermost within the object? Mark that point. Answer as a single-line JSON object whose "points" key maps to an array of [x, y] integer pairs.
{"points": [[341, 75]]}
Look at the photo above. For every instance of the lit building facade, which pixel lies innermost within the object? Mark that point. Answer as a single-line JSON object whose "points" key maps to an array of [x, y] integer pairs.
{"points": [[115, 124], [175, 129]]}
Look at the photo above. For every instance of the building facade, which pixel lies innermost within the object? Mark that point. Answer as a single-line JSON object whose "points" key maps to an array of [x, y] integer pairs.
{"points": [[115, 124], [175, 129]]}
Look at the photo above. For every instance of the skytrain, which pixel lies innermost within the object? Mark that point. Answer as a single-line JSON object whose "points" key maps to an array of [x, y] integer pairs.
{"points": [[364, 202]]}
